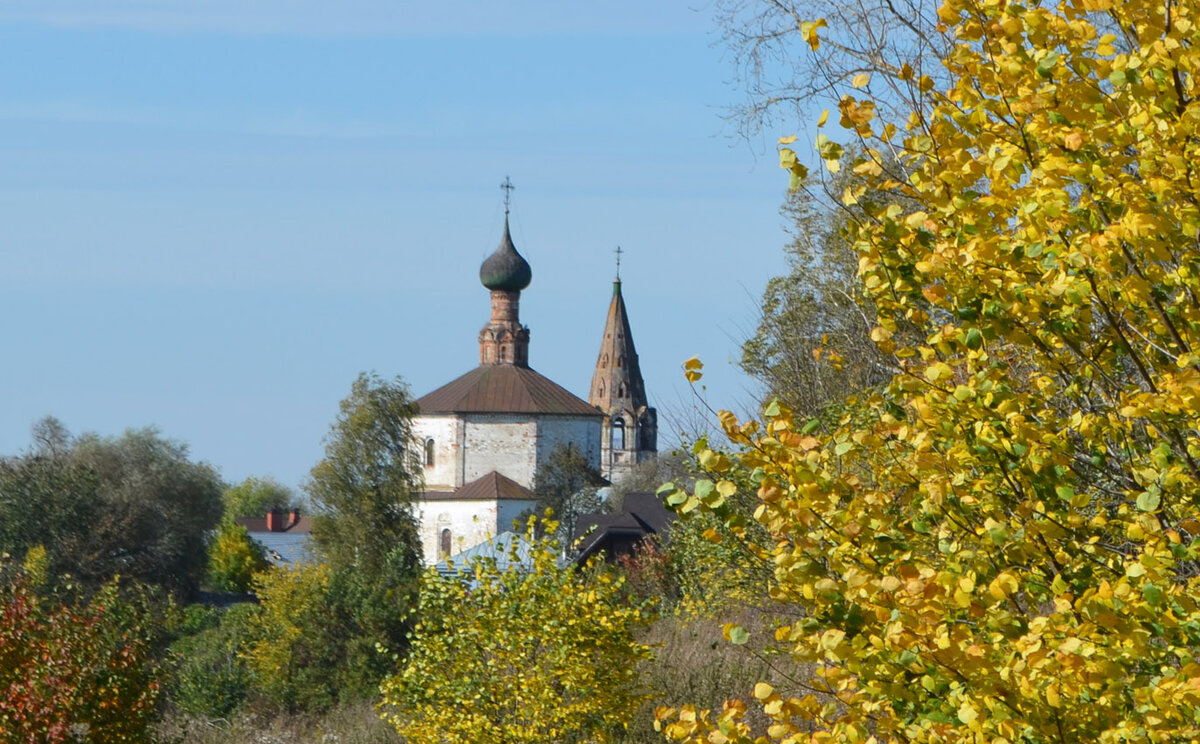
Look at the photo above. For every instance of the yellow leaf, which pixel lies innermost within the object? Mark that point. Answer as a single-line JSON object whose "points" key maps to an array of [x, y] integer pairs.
{"points": [[808, 30], [787, 158], [762, 691], [1003, 585], [787, 140], [831, 638], [824, 118], [1052, 696], [861, 79], [967, 714]]}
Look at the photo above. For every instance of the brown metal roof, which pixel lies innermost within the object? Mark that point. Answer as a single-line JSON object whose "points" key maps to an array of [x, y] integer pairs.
{"points": [[504, 388], [491, 487]]}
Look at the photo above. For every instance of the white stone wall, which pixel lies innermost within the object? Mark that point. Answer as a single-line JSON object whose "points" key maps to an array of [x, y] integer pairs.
{"points": [[469, 522], [580, 431], [506, 443], [447, 433]]}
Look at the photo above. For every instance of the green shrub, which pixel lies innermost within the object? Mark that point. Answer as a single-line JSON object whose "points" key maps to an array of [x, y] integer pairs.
{"points": [[209, 677]]}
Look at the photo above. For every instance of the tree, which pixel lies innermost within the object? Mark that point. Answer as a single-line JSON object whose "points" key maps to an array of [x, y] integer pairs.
{"points": [[518, 655], [293, 650], [257, 496], [233, 558], [567, 485], [1002, 545], [366, 536], [812, 346], [364, 489], [774, 49], [73, 670], [132, 505]]}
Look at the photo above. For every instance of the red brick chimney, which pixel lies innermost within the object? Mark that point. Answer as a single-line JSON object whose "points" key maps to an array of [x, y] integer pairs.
{"points": [[275, 520], [294, 519]]}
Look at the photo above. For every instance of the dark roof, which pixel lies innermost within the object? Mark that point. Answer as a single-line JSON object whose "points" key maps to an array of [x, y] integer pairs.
{"points": [[644, 514], [649, 510], [504, 388], [491, 487], [505, 269]]}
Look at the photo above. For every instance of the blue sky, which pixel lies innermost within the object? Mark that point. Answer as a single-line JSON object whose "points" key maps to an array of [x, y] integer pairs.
{"points": [[216, 214]]}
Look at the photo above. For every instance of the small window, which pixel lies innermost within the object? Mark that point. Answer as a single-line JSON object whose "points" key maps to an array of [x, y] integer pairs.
{"points": [[621, 390], [429, 452], [446, 541], [618, 434]]}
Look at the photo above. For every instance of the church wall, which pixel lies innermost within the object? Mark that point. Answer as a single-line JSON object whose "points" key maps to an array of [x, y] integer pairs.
{"points": [[582, 432], [469, 522], [446, 431], [501, 442]]}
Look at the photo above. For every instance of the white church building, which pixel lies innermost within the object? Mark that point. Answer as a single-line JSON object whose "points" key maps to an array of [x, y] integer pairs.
{"points": [[483, 436]]}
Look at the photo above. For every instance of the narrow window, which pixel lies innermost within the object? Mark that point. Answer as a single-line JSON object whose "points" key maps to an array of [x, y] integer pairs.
{"points": [[429, 452], [446, 543], [618, 434]]}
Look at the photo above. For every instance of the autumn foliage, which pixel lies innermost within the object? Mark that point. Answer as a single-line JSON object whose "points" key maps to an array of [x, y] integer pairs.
{"points": [[530, 652], [1001, 547], [72, 672]]}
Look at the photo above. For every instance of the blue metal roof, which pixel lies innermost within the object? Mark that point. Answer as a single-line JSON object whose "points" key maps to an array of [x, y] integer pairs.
{"points": [[285, 548], [507, 549]]}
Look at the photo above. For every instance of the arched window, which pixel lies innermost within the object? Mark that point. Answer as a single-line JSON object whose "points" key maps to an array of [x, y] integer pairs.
{"points": [[618, 434], [429, 452], [621, 390], [446, 540]]}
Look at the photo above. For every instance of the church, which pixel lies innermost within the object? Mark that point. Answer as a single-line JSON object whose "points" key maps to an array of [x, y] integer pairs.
{"points": [[482, 436]]}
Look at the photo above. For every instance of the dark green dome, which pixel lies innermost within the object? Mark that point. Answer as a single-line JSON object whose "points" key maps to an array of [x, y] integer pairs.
{"points": [[505, 269]]}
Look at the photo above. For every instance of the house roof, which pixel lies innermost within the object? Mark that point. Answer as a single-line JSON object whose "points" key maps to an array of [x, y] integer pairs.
{"points": [[504, 388], [644, 514], [507, 549], [255, 525], [491, 487], [285, 548]]}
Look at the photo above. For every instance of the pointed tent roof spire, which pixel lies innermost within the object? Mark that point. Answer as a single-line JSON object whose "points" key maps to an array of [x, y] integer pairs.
{"points": [[617, 383]]}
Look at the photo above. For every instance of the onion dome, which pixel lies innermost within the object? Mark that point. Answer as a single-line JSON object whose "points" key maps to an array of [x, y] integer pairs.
{"points": [[505, 269]]}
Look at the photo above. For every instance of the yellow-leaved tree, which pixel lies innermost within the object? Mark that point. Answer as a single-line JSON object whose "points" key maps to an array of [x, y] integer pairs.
{"points": [[519, 651], [1000, 547]]}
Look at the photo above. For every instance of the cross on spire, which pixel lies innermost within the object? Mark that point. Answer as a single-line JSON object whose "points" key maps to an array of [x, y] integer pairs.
{"points": [[618, 251], [508, 189]]}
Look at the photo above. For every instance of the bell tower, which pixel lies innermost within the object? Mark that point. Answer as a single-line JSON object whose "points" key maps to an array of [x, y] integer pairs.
{"points": [[629, 432]]}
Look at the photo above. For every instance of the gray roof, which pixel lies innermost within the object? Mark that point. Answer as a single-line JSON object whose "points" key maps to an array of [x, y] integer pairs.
{"points": [[509, 550], [285, 548]]}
